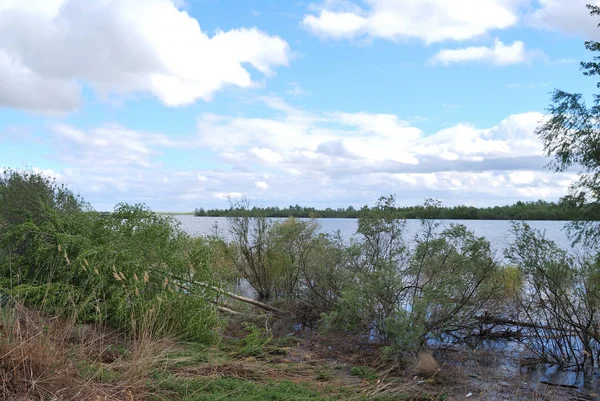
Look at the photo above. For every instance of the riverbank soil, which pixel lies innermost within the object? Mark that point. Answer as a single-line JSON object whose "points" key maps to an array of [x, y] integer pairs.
{"points": [[46, 358]]}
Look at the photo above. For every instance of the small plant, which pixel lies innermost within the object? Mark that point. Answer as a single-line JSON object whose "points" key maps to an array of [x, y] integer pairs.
{"points": [[255, 341], [324, 375], [363, 372]]}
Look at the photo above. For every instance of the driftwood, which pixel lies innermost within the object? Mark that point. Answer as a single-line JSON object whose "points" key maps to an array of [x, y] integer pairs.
{"points": [[227, 310], [488, 319], [250, 301], [235, 296], [548, 383]]}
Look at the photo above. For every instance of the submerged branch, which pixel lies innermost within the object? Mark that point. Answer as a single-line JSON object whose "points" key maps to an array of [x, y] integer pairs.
{"points": [[234, 296]]}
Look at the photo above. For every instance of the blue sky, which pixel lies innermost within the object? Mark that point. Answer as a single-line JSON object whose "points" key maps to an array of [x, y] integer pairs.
{"points": [[182, 104]]}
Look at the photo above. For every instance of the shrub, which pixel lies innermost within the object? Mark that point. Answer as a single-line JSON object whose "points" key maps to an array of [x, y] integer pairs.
{"points": [[126, 269], [561, 303], [405, 296], [254, 343]]}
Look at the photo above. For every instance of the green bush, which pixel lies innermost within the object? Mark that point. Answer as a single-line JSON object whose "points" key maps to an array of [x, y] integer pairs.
{"points": [[255, 341], [404, 296], [128, 269], [363, 372]]}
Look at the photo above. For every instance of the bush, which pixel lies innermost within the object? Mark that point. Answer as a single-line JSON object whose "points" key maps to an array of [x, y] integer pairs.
{"points": [[286, 260], [562, 301], [405, 296], [126, 269]]}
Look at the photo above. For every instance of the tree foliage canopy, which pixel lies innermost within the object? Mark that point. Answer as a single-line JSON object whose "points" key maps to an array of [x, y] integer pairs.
{"points": [[571, 136]]}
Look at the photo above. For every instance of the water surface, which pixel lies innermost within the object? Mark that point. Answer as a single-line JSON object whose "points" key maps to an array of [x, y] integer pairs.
{"points": [[497, 232]]}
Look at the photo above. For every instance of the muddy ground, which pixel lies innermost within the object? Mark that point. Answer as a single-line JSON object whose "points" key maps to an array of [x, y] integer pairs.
{"points": [[460, 373]]}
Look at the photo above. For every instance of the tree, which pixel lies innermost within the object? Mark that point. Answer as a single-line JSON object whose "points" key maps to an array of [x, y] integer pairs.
{"points": [[571, 135]]}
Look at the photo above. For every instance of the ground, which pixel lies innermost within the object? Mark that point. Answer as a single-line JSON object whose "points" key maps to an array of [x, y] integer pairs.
{"points": [[45, 358], [307, 367]]}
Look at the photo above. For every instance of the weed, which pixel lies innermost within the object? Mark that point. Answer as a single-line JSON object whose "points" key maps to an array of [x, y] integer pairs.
{"points": [[363, 372], [324, 375], [255, 342]]}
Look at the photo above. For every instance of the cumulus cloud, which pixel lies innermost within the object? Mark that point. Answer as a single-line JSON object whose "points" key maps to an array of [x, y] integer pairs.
{"points": [[227, 196], [109, 146], [266, 155], [261, 185], [570, 17], [513, 137], [375, 141], [296, 90], [500, 54], [49, 49], [290, 155], [430, 21]]}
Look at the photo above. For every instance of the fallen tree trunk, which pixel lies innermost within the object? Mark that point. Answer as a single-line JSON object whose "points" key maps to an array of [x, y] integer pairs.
{"points": [[488, 319], [235, 296], [251, 301], [228, 311]]}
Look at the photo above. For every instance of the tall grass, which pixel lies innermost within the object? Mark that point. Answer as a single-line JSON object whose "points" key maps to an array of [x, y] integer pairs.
{"points": [[76, 285], [110, 269]]}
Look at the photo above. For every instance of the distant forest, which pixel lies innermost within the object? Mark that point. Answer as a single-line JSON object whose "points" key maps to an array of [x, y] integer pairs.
{"points": [[537, 210]]}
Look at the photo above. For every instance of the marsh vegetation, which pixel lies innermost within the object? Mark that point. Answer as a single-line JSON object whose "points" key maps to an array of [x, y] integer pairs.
{"points": [[124, 304]]}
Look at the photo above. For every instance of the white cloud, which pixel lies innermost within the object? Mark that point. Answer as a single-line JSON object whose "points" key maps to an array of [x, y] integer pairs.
{"points": [[109, 146], [330, 138], [522, 177], [513, 137], [48, 173], [227, 196], [428, 20], [261, 185], [522, 184], [500, 54], [296, 90], [295, 156], [50, 48], [571, 17], [299, 135], [266, 155]]}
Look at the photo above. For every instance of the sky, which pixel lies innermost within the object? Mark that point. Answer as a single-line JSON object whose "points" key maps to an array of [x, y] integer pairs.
{"points": [[181, 104]]}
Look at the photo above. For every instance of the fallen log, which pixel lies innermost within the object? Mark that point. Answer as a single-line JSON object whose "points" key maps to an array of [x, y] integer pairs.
{"points": [[235, 296], [228, 311], [251, 301], [549, 383], [488, 319]]}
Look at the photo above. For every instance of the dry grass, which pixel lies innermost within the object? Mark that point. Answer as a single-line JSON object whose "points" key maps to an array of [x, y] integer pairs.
{"points": [[426, 365], [49, 358]]}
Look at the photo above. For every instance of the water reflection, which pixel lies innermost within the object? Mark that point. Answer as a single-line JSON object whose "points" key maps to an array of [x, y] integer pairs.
{"points": [[497, 232]]}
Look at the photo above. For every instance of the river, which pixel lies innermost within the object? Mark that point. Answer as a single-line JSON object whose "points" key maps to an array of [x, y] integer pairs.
{"points": [[497, 232], [507, 353]]}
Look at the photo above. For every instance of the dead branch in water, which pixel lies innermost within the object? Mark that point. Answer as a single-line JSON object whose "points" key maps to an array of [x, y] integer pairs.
{"points": [[488, 319], [235, 296]]}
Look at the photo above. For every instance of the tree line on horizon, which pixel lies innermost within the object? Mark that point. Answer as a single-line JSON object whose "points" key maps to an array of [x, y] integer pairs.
{"points": [[565, 209]]}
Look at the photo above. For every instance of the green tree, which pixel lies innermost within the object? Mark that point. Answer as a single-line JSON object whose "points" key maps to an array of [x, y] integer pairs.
{"points": [[125, 269], [571, 135]]}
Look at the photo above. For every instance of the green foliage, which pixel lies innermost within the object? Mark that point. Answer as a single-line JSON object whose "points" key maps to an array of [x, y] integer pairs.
{"points": [[530, 210], [404, 296], [324, 375], [27, 196], [287, 260], [454, 275], [211, 388], [363, 372], [67, 259], [561, 301], [571, 136], [251, 251], [255, 341]]}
